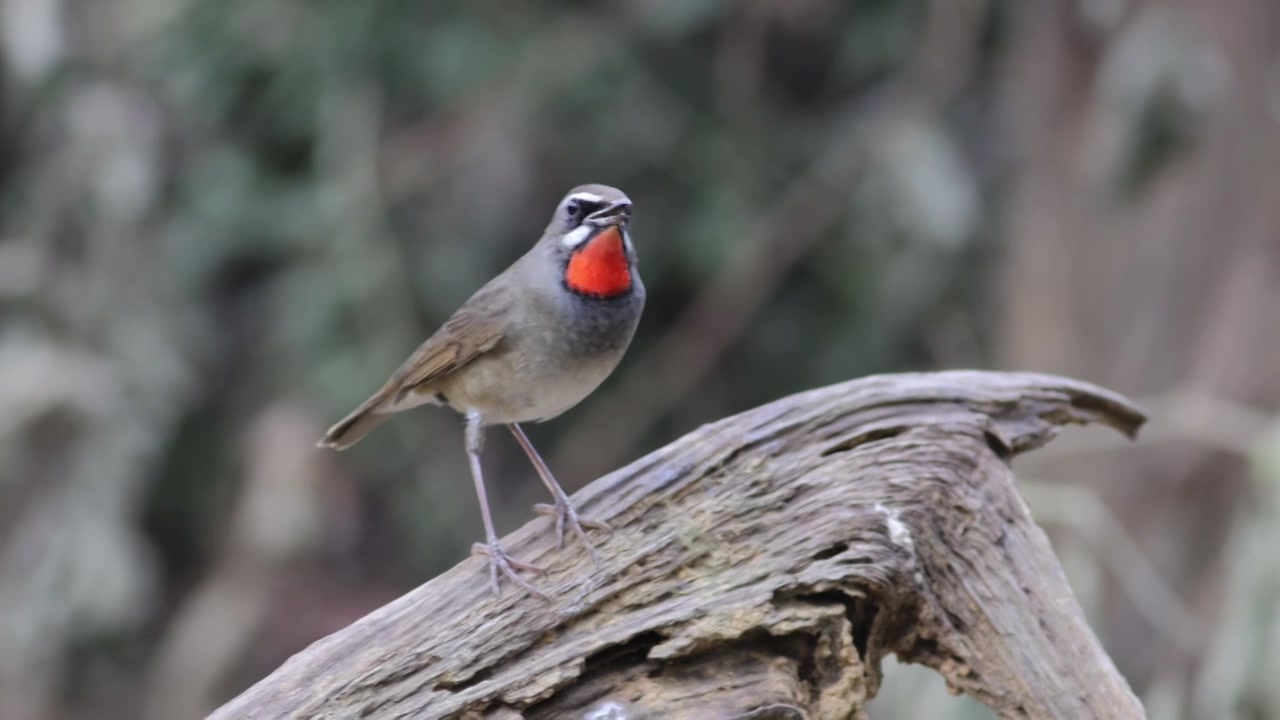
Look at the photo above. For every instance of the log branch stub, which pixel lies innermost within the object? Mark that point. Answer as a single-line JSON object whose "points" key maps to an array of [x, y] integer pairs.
{"points": [[760, 567]]}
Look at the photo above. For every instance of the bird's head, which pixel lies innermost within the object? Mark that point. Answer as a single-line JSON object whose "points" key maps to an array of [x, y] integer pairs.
{"points": [[589, 233]]}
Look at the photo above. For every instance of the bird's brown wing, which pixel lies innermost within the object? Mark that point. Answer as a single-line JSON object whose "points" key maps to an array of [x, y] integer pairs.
{"points": [[478, 327]]}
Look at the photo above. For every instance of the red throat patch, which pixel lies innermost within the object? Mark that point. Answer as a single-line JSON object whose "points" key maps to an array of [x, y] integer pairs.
{"points": [[601, 268]]}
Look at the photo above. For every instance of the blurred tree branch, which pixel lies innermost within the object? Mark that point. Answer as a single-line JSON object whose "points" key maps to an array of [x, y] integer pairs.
{"points": [[779, 239], [1080, 509]]}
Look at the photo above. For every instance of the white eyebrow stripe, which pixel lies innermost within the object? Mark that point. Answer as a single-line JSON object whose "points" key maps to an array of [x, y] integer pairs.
{"points": [[586, 196], [577, 236]]}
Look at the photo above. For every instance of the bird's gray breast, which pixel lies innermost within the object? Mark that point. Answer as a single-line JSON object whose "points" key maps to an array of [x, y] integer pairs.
{"points": [[602, 327], [566, 346]]}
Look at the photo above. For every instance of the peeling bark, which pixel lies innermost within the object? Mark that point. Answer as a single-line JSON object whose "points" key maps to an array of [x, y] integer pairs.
{"points": [[760, 567]]}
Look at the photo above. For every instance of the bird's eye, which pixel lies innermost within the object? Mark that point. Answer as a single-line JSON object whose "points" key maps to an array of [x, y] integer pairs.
{"points": [[578, 209]]}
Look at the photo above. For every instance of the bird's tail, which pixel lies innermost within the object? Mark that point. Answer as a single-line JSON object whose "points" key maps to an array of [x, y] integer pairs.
{"points": [[352, 428]]}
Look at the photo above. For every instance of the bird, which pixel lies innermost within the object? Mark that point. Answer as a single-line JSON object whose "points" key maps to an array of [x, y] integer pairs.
{"points": [[529, 345]]}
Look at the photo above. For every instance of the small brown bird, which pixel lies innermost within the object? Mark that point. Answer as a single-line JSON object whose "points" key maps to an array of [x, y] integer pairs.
{"points": [[526, 347]]}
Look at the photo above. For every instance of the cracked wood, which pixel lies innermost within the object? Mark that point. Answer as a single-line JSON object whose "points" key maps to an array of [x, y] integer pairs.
{"points": [[760, 567]]}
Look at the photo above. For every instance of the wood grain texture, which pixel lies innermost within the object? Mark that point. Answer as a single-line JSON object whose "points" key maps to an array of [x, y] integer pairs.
{"points": [[760, 567]]}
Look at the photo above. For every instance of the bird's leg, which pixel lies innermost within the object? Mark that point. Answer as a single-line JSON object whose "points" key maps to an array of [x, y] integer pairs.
{"points": [[498, 558], [562, 509]]}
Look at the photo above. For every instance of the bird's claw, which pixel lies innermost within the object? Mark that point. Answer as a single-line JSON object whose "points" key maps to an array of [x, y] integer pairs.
{"points": [[500, 561], [564, 513]]}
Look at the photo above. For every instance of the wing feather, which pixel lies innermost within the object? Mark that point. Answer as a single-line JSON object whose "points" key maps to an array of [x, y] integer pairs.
{"points": [[478, 327]]}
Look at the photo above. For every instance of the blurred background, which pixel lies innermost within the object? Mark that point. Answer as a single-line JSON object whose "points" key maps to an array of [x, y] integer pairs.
{"points": [[222, 224]]}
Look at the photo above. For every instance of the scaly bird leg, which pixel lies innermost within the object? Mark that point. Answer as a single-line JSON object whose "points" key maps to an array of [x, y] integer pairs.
{"points": [[499, 561], [562, 509]]}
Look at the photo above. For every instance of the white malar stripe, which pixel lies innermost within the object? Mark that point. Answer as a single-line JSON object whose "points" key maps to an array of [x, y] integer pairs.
{"points": [[626, 242], [577, 236]]}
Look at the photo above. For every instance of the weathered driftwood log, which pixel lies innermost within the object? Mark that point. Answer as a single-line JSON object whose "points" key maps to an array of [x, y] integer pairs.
{"points": [[760, 567]]}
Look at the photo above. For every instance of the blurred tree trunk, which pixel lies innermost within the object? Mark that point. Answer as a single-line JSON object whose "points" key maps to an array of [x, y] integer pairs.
{"points": [[90, 379], [1144, 253]]}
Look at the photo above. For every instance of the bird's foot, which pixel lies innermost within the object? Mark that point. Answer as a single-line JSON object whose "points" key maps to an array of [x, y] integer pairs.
{"points": [[500, 561], [565, 514]]}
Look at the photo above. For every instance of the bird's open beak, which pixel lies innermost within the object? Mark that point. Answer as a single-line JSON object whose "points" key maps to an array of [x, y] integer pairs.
{"points": [[617, 213]]}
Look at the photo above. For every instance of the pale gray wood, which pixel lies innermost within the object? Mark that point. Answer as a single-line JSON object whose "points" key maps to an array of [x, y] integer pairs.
{"points": [[760, 567]]}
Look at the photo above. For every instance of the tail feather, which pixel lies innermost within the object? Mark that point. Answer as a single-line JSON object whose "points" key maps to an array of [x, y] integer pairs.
{"points": [[352, 428]]}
